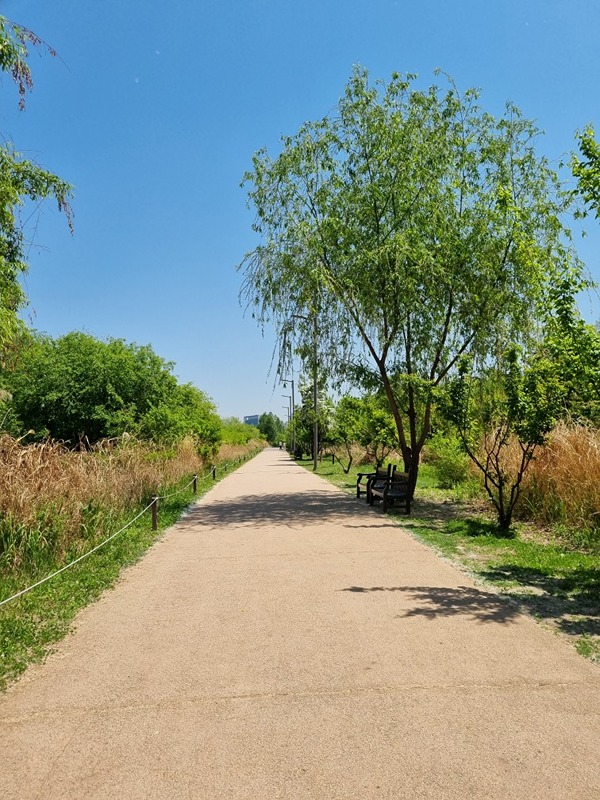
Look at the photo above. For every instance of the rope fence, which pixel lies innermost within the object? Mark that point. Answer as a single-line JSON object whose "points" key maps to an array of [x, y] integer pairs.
{"points": [[153, 506]]}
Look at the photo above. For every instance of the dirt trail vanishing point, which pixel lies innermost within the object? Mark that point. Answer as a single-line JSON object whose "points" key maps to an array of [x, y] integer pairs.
{"points": [[283, 640]]}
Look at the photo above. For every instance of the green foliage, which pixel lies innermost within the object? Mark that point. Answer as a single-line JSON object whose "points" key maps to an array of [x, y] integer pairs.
{"points": [[366, 421], [14, 51], [451, 462], [420, 226], [587, 171], [9, 423], [271, 427], [80, 389], [505, 405], [185, 412], [572, 347], [304, 417], [233, 431], [77, 387], [20, 181]]}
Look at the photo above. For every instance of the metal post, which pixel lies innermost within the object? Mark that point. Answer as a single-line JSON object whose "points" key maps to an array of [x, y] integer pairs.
{"points": [[155, 513], [293, 420], [214, 473], [315, 392], [195, 484]]}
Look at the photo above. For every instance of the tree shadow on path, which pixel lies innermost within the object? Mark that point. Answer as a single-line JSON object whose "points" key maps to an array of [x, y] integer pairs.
{"points": [[571, 601], [292, 509], [442, 601]]}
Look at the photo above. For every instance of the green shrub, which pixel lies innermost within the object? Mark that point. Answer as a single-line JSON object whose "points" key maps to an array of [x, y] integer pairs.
{"points": [[449, 459]]}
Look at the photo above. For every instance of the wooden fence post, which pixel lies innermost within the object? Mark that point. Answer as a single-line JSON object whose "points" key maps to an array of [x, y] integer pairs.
{"points": [[155, 513]]}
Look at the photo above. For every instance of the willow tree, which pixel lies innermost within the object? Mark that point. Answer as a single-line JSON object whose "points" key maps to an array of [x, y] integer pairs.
{"points": [[21, 181], [426, 227]]}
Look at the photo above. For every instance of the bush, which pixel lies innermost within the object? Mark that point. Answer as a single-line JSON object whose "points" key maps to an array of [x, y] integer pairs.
{"points": [[451, 463], [235, 432]]}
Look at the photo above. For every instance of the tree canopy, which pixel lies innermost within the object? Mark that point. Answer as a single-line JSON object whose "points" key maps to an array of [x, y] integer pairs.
{"points": [[420, 228], [271, 427], [78, 388]]}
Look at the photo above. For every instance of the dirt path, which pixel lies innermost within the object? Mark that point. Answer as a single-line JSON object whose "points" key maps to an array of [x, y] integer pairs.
{"points": [[285, 641]]}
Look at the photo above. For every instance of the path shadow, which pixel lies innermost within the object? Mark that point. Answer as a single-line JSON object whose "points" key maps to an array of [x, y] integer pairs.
{"points": [[434, 601], [572, 600], [293, 509]]}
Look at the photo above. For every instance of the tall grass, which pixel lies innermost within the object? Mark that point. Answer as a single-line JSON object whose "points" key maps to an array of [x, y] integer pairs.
{"points": [[54, 502], [563, 482]]}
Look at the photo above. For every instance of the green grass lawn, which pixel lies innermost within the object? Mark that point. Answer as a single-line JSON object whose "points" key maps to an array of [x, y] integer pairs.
{"points": [[558, 585]]}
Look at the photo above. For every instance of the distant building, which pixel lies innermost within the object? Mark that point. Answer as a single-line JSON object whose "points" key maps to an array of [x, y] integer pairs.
{"points": [[252, 420]]}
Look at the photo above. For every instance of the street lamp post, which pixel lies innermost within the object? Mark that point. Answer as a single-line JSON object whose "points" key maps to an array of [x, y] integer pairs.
{"points": [[316, 425], [315, 383], [289, 408], [285, 382]]}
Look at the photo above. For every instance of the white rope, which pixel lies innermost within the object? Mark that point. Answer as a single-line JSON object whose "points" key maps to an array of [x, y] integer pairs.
{"points": [[98, 546], [85, 555], [179, 491]]}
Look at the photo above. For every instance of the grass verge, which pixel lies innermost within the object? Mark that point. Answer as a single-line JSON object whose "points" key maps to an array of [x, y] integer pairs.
{"points": [[540, 569], [32, 623]]}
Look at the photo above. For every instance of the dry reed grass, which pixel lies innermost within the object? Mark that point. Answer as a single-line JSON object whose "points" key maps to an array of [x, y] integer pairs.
{"points": [[47, 474], [50, 495], [563, 482], [52, 498], [231, 452]]}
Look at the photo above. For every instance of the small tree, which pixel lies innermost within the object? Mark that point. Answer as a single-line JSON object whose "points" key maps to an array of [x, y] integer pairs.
{"points": [[503, 407], [346, 425], [573, 347], [271, 427], [304, 418], [185, 413], [234, 431]]}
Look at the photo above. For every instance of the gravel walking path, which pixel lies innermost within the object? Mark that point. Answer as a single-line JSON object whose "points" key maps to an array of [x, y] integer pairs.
{"points": [[283, 640]]}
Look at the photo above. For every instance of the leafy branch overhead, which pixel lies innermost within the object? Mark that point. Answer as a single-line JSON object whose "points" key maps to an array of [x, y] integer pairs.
{"points": [[15, 41], [21, 181], [587, 171]]}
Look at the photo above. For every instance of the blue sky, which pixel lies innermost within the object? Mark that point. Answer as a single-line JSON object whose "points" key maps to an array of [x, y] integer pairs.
{"points": [[154, 109]]}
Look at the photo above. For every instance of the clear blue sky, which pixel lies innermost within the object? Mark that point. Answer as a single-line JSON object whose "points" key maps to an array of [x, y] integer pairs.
{"points": [[153, 110]]}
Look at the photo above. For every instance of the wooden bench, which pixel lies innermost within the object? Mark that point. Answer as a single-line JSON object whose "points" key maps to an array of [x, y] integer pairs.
{"points": [[390, 490], [380, 473]]}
